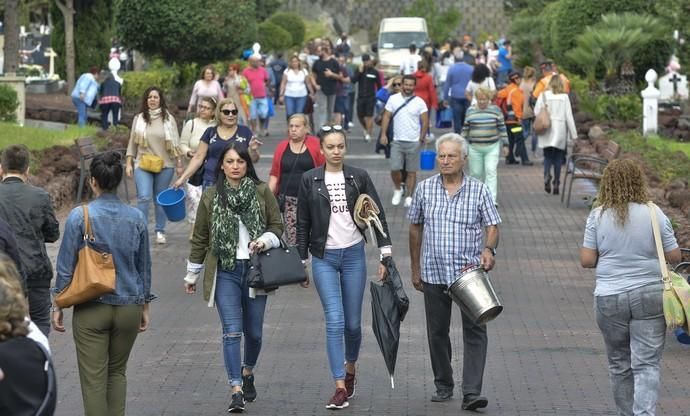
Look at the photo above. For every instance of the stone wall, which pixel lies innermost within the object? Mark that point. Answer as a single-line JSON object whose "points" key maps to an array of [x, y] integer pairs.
{"points": [[477, 15]]}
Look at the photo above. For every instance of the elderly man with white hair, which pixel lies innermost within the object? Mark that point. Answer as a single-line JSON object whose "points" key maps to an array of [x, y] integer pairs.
{"points": [[453, 226]]}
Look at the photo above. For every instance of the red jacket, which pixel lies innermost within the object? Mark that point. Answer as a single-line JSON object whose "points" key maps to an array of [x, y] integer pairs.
{"points": [[313, 147], [425, 90]]}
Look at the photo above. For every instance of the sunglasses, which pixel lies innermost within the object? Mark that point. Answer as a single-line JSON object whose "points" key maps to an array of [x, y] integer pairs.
{"points": [[330, 128], [228, 112], [397, 84]]}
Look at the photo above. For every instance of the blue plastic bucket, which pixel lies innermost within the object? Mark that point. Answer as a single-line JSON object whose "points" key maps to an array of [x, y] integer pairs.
{"points": [[427, 159], [172, 201]]}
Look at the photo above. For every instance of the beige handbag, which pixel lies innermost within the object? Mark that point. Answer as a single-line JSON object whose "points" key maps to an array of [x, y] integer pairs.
{"points": [[367, 215], [151, 163], [542, 121], [94, 273]]}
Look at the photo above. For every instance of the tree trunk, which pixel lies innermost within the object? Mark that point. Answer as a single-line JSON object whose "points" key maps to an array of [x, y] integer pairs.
{"points": [[67, 9], [11, 37]]}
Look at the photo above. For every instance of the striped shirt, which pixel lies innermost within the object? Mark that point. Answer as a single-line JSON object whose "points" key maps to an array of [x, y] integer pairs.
{"points": [[453, 226], [484, 126]]}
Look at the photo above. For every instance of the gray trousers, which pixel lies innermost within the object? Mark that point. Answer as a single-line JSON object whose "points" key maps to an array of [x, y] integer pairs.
{"points": [[438, 306], [323, 113], [633, 327]]}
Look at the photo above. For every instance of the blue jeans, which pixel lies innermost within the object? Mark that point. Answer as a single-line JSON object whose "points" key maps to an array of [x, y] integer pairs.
{"points": [[459, 107], [294, 105], [528, 133], [634, 331], [239, 314], [81, 111], [555, 157], [149, 185], [340, 277]]}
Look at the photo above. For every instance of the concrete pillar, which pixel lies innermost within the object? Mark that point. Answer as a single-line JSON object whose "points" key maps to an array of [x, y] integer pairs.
{"points": [[650, 104]]}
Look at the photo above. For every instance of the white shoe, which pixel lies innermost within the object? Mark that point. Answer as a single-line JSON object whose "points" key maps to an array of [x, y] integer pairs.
{"points": [[408, 201], [367, 137], [397, 197], [350, 124], [160, 237]]}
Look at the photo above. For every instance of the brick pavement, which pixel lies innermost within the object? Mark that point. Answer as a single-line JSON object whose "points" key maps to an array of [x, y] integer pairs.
{"points": [[545, 357]]}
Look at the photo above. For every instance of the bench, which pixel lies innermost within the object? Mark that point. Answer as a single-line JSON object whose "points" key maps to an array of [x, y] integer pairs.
{"points": [[87, 150], [683, 268], [582, 166]]}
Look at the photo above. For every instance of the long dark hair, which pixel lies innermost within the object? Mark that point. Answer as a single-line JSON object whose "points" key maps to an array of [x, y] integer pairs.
{"points": [[480, 73], [144, 109], [243, 151], [106, 169]]}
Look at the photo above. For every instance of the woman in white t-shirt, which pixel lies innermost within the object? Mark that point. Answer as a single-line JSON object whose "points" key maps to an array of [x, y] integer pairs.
{"points": [[481, 78], [294, 88], [326, 229]]}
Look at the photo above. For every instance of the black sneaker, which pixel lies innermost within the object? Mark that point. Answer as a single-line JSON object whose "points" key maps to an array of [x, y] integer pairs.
{"points": [[237, 403], [442, 396], [474, 402], [248, 388]]}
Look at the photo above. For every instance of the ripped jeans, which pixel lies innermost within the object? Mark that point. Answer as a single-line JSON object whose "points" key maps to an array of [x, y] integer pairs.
{"points": [[239, 314]]}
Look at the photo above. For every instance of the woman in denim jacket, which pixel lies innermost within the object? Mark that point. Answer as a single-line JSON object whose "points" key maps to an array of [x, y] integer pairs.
{"points": [[105, 329], [237, 216]]}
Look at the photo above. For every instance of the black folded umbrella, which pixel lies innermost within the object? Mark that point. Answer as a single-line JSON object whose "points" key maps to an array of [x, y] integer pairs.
{"points": [[389, 305]]}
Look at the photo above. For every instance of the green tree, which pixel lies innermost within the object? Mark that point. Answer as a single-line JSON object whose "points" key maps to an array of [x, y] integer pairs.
{"points": [[293, 23], [440, 24], [273, 37], [265, 8], [184, 31]]}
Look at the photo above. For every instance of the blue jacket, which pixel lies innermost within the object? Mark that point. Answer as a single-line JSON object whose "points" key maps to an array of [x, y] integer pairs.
{"points": [[121, 229], [459, 75], [87, 85]]}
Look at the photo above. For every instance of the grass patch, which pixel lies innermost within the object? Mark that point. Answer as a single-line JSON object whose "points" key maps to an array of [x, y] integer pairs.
{"points": [[38, 139], [663, 155]]}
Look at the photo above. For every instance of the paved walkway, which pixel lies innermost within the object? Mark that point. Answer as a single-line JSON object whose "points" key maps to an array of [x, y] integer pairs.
{"points": [[546, 355]]}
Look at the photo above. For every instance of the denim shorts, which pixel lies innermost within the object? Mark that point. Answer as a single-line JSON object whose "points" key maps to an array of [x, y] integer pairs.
{"points": [[259, 108]]}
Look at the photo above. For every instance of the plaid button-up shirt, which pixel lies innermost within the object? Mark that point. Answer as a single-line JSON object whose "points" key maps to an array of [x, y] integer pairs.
{"points": [[453, 226]]}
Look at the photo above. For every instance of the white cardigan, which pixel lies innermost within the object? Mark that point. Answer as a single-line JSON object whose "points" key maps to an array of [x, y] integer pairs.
{"points": [[562, 122]]}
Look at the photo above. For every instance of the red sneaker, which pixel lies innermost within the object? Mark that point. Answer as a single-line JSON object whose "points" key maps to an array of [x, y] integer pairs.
{"points": [[350, 384], [339, 400]]}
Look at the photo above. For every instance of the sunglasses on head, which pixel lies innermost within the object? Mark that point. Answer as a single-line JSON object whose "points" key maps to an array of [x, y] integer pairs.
{"points": [[330, 128], [228, 112]]}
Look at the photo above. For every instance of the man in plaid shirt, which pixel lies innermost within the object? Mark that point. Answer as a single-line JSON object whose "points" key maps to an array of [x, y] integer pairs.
{"points": [[454, 224]]}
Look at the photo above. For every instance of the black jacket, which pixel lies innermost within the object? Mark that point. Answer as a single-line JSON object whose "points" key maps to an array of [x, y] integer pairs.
{"points": [[29, 212], [314, 208], [8, 246]]}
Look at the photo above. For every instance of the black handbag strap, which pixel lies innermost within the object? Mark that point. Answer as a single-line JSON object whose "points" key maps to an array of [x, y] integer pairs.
{"points": [[402, 106]]}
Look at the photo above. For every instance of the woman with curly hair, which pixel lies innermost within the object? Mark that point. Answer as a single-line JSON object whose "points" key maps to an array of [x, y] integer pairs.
{"points": [[619, 243], [22, 359]]}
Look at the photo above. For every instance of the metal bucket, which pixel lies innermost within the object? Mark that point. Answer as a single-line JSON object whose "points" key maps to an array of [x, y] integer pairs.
{"points": [[473, 292]]}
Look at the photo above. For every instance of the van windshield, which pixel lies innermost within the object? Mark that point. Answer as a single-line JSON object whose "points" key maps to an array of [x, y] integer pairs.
{"points": [[401, 40]]}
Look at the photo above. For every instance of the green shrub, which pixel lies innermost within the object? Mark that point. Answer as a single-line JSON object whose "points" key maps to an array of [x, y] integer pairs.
{"points": [[273, 37], [8, 103], [662, 155], [136, 82], [609, 107], [293, 23], [187, 74]]}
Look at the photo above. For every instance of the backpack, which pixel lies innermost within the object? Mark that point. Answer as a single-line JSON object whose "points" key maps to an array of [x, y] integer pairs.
{"points": [[506, 106]]}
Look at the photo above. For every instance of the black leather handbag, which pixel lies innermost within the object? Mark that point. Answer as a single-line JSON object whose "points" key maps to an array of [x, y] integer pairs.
{"points": [[276, 267]]}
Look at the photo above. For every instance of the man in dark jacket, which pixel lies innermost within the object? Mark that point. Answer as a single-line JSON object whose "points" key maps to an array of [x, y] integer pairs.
{"points": [[29, 212]]}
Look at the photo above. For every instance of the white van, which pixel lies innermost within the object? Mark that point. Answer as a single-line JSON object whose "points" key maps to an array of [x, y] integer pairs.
{"points": [[396, 34]]}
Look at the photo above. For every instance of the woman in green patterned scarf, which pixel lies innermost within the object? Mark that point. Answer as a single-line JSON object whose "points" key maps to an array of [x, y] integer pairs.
{"points": [[236, 217]]}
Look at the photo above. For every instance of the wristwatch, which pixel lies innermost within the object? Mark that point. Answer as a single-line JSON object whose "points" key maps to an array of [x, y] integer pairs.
{"points": [[492, 250]]}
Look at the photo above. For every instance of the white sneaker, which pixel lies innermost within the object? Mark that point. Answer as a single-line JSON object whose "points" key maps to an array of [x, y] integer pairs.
{"points": [[367, 137], [408, 201], [397, 197], [350, 124], [160, 237]]}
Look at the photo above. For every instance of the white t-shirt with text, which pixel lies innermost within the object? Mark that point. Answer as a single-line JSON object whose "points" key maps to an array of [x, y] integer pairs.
{"points": [[406, 125], [342, 230]]}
